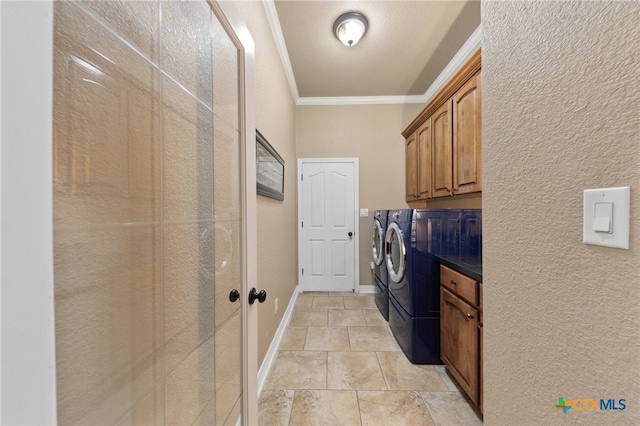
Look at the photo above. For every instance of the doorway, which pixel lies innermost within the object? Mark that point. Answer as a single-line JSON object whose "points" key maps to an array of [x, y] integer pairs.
{"points": [[328, 231], [150, 214]]}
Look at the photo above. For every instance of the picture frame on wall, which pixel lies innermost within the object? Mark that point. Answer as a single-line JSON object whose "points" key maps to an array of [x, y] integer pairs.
{"points": [[269, 169]]}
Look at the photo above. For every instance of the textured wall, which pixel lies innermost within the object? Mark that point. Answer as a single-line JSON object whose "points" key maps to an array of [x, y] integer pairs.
{"points": [[275, 118], [372, 134], [560, 114]]}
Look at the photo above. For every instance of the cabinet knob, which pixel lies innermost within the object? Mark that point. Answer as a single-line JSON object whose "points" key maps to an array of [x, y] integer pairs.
{"points": [[453, 282], [469, 317]]}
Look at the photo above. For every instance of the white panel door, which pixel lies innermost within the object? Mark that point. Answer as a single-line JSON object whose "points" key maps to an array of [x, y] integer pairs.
{"points": [[327, 209]]}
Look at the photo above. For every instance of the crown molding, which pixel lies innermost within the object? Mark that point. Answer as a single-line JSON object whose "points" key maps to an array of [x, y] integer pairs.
{"points": [[276, 30], [468, 49], [361, 100]]}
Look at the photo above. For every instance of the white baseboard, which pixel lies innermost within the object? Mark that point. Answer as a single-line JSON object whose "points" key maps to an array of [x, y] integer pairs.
{"points": [[367, 289], [270, 357]]}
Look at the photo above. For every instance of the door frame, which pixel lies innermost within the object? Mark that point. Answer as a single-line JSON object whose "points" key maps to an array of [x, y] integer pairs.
{"points": [[356, 211], [246, 48], [27, 368]]}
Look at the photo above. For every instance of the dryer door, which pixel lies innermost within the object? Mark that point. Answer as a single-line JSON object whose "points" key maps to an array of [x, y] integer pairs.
{"points": [[377, 243], [395, 253]]}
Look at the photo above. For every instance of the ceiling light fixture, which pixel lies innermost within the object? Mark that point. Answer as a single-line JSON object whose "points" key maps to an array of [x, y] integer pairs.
{"points": [[350, 27]]}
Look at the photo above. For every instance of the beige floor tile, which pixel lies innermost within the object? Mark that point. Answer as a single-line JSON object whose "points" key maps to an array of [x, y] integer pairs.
{"points": [[324, 408], [354, 370], [299, 370], [374, 317], [448, 380], [309, 318], [293, 339], [346, 317], [362, 302], [327, 339], [310, 386], [327, 302], [401, 374], [274, 407], [372, 339], [343, 293], [303, 303], [450, 408], [393, 408]]}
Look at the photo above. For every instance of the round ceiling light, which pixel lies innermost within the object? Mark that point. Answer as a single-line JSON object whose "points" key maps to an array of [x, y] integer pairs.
{"points": [[350, 27]]}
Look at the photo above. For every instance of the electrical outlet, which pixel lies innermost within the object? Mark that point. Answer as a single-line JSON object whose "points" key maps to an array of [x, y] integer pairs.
{"points": [[275, 302]]}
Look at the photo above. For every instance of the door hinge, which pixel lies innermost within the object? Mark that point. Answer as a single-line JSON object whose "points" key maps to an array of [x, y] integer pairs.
{"points": [[302, 224], [301, 177], [302, 271]]}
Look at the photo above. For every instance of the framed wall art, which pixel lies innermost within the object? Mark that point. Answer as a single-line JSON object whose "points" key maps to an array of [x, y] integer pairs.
{"points": [[269, 169]]}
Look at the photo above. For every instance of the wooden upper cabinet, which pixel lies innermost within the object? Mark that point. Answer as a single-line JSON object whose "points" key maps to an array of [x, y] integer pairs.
{"points": [[442, 150], [411, 164], [423, 137], [467, 137], [444, 142]]}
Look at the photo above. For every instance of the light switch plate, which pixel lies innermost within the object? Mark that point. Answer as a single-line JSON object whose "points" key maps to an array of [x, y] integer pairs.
{"points": [[364, 212], [594, 200]]}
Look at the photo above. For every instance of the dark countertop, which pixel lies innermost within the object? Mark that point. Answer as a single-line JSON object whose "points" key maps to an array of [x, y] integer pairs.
{"points": [[469, 266]]}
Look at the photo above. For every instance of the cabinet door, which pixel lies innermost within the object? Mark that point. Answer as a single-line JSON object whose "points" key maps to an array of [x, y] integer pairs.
{"points": [[424, 160], [442, 150], [467, 137], [459, 341], [411, 163]]}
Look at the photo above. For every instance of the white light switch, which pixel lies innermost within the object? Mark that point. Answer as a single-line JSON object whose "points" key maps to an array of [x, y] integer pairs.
{"points": [[602, 216], [364, 212], [606, 217]]}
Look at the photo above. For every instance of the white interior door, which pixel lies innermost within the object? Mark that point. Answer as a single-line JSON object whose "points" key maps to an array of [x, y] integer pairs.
{"points": [[327, 206]]}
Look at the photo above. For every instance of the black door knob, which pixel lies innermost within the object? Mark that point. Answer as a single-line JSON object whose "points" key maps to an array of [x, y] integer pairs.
{"points": [[234, 295], [253, 295], [350, 234]]}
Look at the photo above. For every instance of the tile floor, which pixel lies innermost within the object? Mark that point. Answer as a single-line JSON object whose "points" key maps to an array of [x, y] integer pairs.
{"points": [[339, 364]]}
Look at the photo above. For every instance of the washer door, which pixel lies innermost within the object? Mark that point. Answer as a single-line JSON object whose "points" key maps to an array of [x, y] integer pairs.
{"points": [[395, 253], [377, 243]]}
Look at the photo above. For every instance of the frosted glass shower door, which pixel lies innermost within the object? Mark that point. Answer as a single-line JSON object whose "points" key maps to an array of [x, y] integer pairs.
{"points": [[148, 214]]}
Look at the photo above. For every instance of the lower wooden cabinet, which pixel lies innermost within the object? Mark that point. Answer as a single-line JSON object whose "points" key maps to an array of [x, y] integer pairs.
{"points": [[459, 341], [461, 332]]}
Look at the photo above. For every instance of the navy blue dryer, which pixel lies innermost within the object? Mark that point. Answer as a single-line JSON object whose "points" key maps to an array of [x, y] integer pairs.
{"points": [[380, 266], [413, 239]]}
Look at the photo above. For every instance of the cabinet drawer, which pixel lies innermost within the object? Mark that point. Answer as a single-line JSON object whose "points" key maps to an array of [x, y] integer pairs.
{"points": [[463, 286]]}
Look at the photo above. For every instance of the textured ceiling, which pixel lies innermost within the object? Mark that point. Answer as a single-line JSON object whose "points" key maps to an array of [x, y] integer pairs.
{"points": [[407, 45]]}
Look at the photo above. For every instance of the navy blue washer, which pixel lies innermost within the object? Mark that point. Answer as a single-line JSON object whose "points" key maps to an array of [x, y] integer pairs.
{"points": [[414, 238], [380, 266]]}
